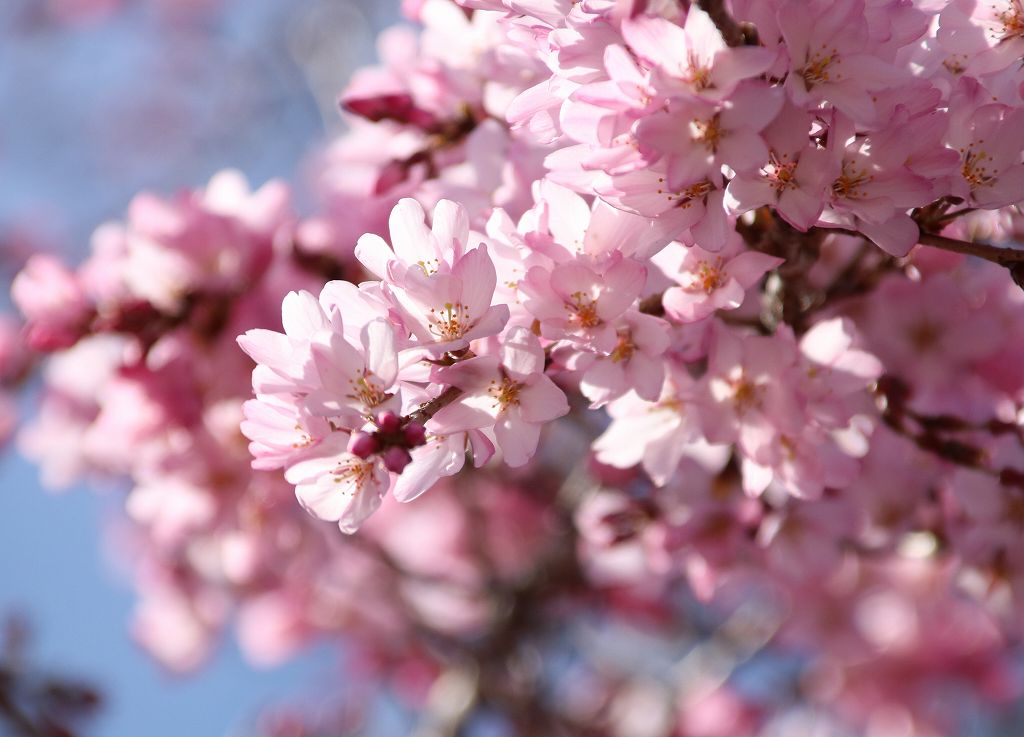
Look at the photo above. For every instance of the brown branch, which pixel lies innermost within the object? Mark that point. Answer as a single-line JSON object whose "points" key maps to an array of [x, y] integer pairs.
{"points": [[1003, 256], [732, 32], [435, 405], [995, 254]]}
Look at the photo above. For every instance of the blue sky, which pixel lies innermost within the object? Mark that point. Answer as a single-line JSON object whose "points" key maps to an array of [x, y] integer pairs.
{"points": [[53, 569]]}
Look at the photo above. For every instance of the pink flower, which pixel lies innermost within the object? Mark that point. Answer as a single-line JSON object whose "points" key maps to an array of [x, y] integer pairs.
{"points": [[355, 382], [694, 59], [445, 311], [577, 303], [442, 290], [694, 137], [696, 205], [279, 430], [795, 177], [335, 485], [415, 246], [990, 143], [53, 302], [658, 434], [635, 362], [988, 36], [830, 57], [710, 281], [511, 395], [749, 391]]}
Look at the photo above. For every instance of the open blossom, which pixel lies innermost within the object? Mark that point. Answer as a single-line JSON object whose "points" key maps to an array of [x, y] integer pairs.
{"points": [[694, 57], [750, 397], [579, 303], [987, 36], [634, 364], [338, 486], [989, 144], [874, 188], [507, 393], [696, 137], [658, 434], [794, 178], [828, 45], [442, 289], [707, 282]]}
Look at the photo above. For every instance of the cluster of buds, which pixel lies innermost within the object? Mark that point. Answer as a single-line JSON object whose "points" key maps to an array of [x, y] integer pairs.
{"points": [[392, 439]]}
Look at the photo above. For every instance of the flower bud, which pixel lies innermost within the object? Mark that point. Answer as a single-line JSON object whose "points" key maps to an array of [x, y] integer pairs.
{"points": [[415, 434], [363, 444], [389, 422], [396, 459]]}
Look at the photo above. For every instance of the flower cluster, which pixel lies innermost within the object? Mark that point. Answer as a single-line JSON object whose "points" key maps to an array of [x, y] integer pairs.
{"points": [[612, 307]]}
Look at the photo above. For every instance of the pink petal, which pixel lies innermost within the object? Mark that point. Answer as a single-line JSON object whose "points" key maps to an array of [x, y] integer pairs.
{"points": [[748, 267], [542, 401], [516, 438], [478, 276], [521, 354]]}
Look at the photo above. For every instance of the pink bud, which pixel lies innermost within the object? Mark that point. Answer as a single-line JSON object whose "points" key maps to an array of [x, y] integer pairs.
{"points": [[389, 422], [396, 459], [363, 444], [415, 434]]}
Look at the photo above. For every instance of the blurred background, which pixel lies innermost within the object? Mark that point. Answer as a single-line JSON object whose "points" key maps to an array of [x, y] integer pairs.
{"points": [[100, 99]]}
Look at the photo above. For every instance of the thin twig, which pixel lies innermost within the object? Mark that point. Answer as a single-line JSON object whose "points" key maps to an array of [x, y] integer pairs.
{"points": [[995, 254]]}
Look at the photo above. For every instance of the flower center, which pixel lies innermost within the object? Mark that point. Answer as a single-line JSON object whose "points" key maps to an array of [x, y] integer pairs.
{"points": [[685, 197], [707, 277], [304, 440], [583, 310], [1011, 23], [353, 471], [780, 172], [450, 322], [955, 64], [429, 267], [368, 393], [816, 70], [707, 132], [745, 394], [974, 170], [699, 73], [625, 348], [924, 335], [848, 185], [506, 393]]}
